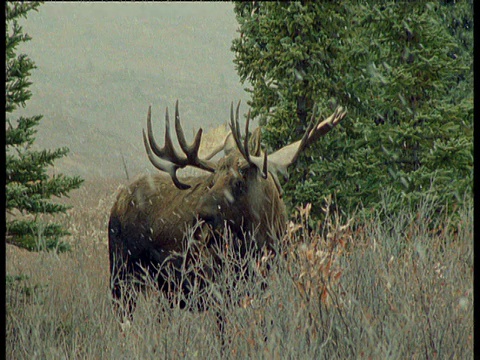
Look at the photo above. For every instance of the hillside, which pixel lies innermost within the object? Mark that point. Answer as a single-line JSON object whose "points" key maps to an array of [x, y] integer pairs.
{"points": [[100, 65]]}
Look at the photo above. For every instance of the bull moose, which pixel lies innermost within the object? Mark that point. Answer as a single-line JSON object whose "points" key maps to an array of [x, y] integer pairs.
{"points": [[150, 222]]}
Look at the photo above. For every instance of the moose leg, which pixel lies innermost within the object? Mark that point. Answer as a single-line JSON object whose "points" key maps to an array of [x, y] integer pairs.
{"points": [[124, 293], [121, 271]]}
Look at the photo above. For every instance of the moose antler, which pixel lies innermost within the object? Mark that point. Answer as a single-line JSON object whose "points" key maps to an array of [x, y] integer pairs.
{"points": [[223, 146], [168, 159], [281, 159], [243, 148]]}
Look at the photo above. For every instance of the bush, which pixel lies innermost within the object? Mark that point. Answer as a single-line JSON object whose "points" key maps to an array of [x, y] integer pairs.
{"points": [[403, 70]]}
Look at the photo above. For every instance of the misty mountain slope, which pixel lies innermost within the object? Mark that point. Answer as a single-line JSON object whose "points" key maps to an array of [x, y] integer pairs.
{"points": [[100, 65]]}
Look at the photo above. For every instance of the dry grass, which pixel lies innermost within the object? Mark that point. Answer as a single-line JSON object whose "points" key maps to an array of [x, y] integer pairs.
{"points": [[381, 290]]}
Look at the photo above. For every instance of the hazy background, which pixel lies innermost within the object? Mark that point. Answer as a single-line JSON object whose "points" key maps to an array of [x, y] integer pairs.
{"points": [[101, 64]]}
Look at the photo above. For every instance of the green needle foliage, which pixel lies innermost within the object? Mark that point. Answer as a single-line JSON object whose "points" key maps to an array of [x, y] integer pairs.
{"points": [[404, 71], [28, 188]]}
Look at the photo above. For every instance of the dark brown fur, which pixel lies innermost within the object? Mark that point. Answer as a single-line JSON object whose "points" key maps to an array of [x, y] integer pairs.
{"points": [[149, 220]]}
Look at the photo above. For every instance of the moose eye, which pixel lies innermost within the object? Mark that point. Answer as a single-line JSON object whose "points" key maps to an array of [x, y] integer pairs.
{"points": [[239, 187], [243, 171]]}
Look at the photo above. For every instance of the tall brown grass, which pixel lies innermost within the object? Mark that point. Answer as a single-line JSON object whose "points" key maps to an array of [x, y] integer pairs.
{"points": [[392, 289]]}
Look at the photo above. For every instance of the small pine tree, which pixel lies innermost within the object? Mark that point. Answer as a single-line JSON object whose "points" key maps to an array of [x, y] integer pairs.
{"points": [[28, 186]]}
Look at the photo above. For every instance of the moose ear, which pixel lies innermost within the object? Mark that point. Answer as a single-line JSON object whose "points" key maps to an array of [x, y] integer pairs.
{"points": [[254, 143]]}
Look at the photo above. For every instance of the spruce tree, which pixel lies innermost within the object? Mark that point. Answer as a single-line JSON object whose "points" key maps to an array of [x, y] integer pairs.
{"points": [[29, 188], [402, 70]]}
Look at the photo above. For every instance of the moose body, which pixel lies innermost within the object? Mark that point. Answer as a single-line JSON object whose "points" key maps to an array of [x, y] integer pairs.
{"points": [[155, 217]]}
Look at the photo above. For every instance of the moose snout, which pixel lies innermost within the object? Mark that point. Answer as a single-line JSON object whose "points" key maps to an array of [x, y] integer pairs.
{"points": [[210, 210], [210, 217]]}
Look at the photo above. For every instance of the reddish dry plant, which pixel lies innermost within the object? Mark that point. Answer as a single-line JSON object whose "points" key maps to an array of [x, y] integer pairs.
{"points": [[314, 258]]}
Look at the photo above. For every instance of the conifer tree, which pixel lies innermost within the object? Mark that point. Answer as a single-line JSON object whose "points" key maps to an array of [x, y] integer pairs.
{"points": [[29, 188], [405, 75]]}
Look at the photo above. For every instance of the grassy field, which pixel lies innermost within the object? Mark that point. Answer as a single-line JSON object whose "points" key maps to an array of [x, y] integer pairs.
{"points": [[392, 290]]}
